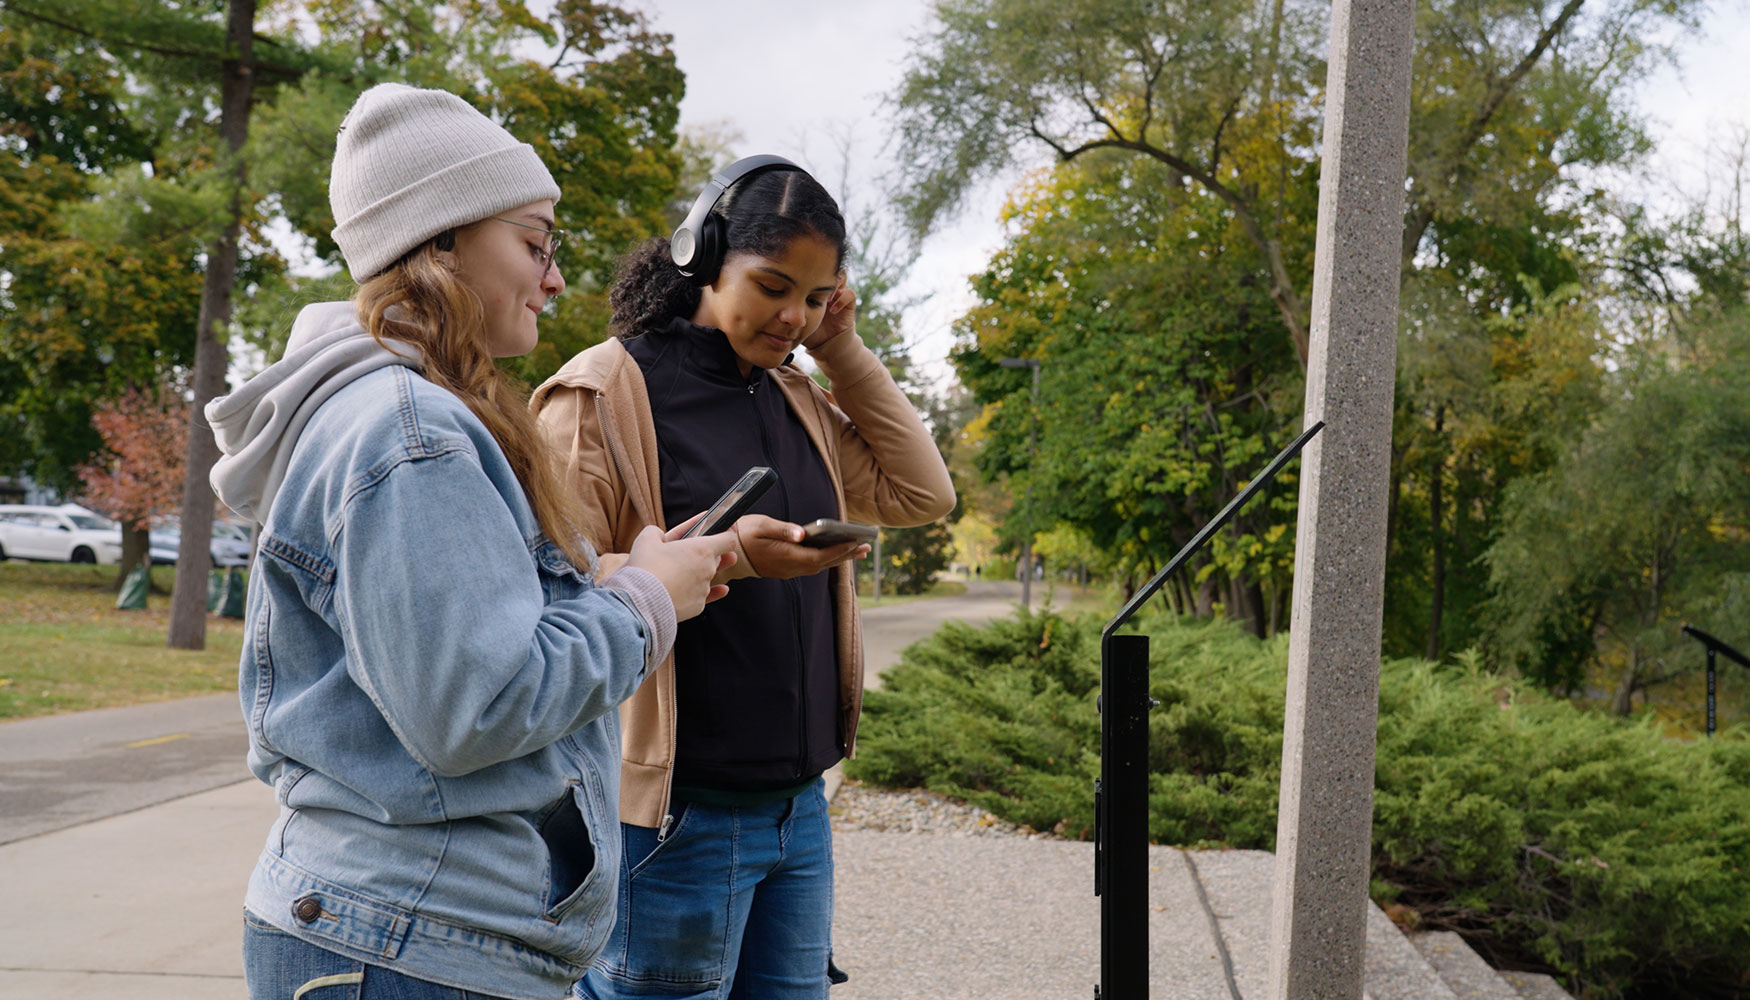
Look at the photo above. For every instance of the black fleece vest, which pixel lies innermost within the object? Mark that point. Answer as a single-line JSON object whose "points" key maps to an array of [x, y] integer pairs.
{"points": [[756, 675]]}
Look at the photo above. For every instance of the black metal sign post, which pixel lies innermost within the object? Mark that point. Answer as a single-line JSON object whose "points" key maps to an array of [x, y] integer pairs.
{"points": [[1121, 794], [1714, 646], [1121, 816]]}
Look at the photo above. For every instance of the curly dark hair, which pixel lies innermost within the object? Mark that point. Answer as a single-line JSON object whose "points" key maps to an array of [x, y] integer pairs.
{"points": [[764, 214]]}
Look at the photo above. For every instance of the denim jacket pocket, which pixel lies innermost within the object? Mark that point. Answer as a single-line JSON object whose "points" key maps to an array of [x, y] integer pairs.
{"points": [[575, 861]]}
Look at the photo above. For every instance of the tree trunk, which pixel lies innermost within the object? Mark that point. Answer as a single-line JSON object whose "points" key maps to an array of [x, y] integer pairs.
{"points": [[1233, 598], [136, 543], [1254, 595], [1623, 702], [1206, 597], [1279, 600], [1436, 521], [188, 602]]}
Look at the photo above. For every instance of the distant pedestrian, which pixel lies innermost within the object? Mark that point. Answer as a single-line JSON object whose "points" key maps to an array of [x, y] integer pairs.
{"points": [[727, 889], [430, 673]]}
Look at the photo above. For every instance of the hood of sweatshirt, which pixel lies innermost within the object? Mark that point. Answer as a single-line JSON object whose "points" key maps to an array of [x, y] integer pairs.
{"points": [[258, 425]]}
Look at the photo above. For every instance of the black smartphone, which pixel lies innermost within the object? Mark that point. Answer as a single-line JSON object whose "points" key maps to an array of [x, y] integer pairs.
{"points": [[826, 531], [734, 503]]}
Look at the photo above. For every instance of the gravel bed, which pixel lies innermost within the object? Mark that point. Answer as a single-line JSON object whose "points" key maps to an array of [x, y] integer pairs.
{"points": [[862, 807]]}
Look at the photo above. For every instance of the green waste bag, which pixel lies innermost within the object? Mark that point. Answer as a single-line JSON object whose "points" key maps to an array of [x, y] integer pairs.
{"points": [[134, 587], [231, 601], [215, 588]]}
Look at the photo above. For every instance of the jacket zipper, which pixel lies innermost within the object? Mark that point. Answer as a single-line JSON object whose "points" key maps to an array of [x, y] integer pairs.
{"points": [[792, 591]]}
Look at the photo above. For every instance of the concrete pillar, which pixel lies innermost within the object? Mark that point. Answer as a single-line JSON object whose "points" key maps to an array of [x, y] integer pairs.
{"points": [[1318, 929]]}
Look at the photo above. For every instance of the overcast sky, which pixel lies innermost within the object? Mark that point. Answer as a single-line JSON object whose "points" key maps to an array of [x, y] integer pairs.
{"points": [[788, 74]]}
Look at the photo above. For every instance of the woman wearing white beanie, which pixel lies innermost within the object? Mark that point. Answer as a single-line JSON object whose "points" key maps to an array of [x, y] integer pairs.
{"points": [[431, 669]]}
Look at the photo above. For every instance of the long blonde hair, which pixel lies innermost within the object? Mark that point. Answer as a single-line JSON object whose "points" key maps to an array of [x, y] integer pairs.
{"points": [[420, 300]]}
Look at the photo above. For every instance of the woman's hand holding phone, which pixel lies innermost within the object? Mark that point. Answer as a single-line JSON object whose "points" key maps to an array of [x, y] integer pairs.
{"points": [[685, 566], [774, 549]]}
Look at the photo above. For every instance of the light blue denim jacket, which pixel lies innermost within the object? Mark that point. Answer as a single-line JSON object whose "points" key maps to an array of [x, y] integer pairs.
{"points": [[430, 686]]}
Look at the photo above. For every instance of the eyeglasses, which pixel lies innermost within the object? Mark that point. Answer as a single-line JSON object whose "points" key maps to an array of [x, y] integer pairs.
{"points": [[550, 251]]}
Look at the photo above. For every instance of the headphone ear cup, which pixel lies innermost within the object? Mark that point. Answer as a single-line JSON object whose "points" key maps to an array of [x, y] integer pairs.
{"points": [[683, 249], [711, 242]]}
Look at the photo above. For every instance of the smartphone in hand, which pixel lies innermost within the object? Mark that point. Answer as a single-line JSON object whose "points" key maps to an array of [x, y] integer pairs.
{"points": [[734, 503], [826, 532]]}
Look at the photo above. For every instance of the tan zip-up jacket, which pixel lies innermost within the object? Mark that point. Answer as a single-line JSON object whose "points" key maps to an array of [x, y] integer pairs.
{"points": [[885, 470]]}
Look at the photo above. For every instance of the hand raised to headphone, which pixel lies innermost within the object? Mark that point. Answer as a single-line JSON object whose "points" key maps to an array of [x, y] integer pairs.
{"points": [[841, 315]]}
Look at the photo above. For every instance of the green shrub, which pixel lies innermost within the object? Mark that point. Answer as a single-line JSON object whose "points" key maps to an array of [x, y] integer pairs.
{"points": [[1564, 838], [1551, 837]]}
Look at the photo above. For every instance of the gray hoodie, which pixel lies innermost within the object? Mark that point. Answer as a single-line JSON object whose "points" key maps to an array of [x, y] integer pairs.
{"points": [[258, 425]]}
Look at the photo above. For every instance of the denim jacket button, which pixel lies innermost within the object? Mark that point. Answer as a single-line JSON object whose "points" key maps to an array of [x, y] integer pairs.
{"points": [[306, 909]]}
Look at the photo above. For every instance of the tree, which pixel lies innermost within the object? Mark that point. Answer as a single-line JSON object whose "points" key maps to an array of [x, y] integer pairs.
{"points": [[1162, 386], [93, 307], [603, 114], [181, 61], [1597, 565], [194, 559], [146, 435], [1221, 101], [914, 556], [1484, 401], [1225, 96], [1210, 92]]}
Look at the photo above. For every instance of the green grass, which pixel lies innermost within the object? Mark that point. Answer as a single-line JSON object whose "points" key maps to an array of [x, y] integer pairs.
{"points": [[941, 588], [65, 648], [1096, 599]]}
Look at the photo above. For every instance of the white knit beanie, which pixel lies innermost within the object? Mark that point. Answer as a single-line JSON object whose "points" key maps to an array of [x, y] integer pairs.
{"points": [[412, 163]]}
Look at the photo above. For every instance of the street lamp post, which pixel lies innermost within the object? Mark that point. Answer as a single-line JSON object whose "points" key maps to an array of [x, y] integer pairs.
{"points": [[1032, 455]]}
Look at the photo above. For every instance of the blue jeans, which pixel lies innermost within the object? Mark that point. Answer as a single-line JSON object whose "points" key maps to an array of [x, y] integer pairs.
{"points": [[278, 966], [735, 903]]}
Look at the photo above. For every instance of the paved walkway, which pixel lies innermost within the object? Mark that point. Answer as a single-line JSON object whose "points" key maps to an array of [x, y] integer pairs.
{"points": [[890, 628], [145, 905]]}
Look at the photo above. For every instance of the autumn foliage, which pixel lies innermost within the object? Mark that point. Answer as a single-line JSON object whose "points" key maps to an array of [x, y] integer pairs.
{"points": [[146, 435]]}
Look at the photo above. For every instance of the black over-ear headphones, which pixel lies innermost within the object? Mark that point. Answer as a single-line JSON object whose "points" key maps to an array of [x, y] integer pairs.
{"points": [[698, 246]]}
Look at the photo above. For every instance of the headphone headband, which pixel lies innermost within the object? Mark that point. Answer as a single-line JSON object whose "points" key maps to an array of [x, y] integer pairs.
{"points": [[698, 246]]}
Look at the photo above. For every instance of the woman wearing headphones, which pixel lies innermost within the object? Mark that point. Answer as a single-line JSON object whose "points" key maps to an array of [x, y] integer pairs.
{"points": [[727, 884]]}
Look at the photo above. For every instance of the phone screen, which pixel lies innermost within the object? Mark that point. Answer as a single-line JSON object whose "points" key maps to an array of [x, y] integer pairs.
{"points": [[827, 532], [734, 503]]}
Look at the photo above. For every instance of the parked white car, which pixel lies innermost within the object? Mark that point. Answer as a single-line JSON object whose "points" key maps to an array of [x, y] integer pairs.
{"points": [[68, 533], [231, 545]]}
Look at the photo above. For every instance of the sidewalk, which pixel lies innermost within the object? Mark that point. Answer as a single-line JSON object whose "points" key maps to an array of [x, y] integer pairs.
{"points": [[146, 905]]}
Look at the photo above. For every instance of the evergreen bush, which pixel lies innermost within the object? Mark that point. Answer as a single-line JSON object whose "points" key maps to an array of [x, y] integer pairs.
{"points": [[1551, 837]]}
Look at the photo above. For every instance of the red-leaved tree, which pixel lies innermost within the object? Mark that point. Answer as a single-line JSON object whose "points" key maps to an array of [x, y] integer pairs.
{"points": [[146, 435]]}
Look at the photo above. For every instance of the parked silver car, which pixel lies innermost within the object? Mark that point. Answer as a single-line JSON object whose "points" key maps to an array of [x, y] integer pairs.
{"points": [[231, 545], [68, 533]]}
